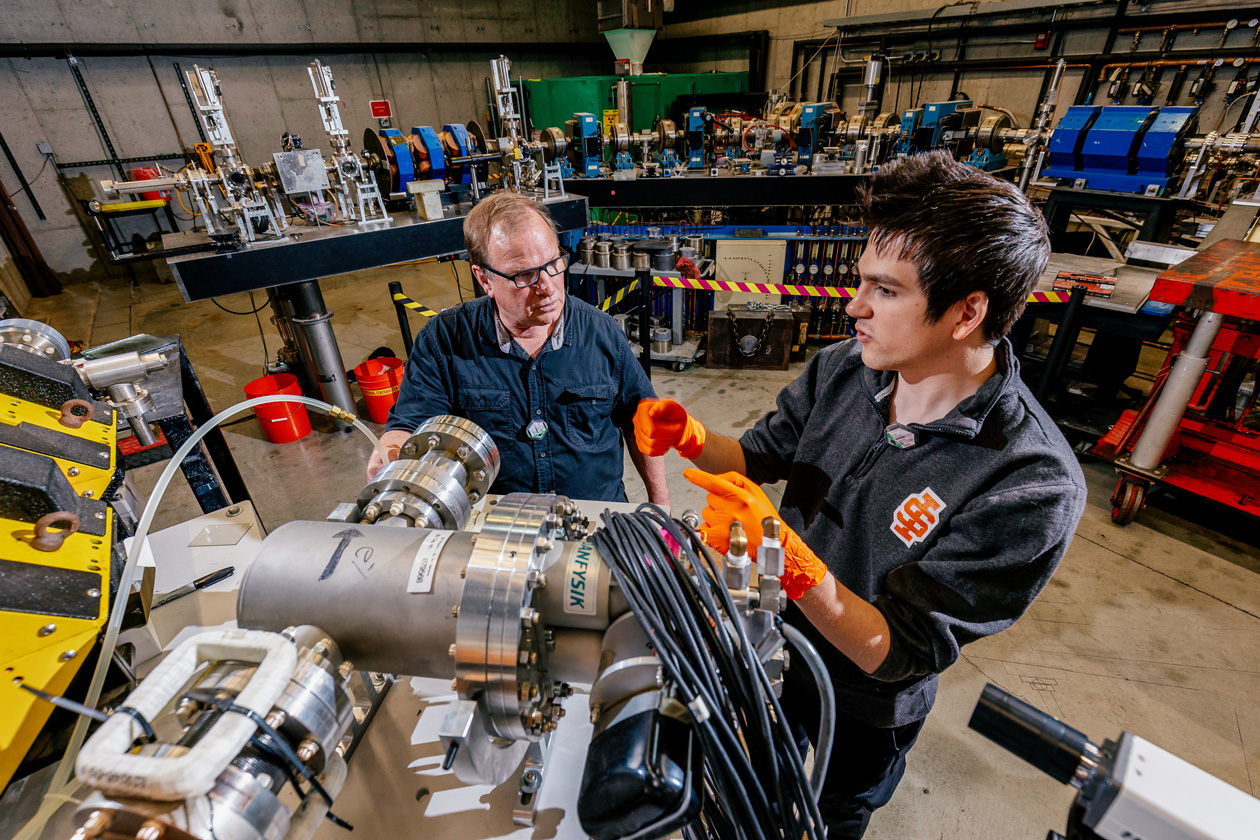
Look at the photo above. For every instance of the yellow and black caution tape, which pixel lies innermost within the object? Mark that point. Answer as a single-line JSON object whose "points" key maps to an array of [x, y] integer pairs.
{"points": [[620, 295], [799, 291], [419, 308], [777, 289], [758, 288]]}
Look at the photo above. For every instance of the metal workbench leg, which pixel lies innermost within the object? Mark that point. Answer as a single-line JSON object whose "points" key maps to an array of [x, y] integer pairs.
{"points": [[644, 278], [1061, 347], [199, 413], [210, 493], [676, 311], [312, 329], [404, 326], [1178, 389]]}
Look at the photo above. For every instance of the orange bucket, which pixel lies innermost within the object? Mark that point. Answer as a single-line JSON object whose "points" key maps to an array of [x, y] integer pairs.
{"points": [[379, 380], [281, 422]]}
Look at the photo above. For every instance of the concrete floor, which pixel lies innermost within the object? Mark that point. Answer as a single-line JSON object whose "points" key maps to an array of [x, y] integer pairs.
{"points": [[1153, 628]]}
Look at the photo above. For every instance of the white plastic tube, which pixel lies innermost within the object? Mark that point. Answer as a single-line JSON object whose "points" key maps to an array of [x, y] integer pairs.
{"points": [[112, 627], [105, 762]]}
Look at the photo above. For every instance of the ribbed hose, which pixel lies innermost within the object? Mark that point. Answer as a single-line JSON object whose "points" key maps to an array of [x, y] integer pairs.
{"points": [[827, 702]]}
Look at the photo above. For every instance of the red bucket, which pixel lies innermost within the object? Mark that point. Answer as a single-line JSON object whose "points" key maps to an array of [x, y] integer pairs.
{"points": [[379, 380], [281, 422]]}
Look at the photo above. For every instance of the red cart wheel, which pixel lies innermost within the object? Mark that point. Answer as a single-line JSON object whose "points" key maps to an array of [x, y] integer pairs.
{"points": [[1127, 501]]}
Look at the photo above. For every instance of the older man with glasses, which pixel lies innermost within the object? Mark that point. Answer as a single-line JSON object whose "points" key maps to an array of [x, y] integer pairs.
{"points": [[550, 378]]}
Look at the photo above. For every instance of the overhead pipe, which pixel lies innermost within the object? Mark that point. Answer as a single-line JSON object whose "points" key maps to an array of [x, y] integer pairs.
{"points": [[1170, 62]]}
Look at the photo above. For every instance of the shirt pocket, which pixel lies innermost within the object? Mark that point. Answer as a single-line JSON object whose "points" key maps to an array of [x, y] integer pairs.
{"points": [[489, 408], [587, 411]]}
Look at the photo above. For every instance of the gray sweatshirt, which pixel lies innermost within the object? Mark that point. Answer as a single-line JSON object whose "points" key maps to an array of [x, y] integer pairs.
{"points": [[950, 528]]}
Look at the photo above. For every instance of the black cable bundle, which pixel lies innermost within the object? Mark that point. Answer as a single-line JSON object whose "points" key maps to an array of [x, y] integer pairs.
{"points": [[755, 782]]}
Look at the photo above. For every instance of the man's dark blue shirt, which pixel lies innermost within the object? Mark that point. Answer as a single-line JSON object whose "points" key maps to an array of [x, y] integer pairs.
{"points": [[585, 391]]}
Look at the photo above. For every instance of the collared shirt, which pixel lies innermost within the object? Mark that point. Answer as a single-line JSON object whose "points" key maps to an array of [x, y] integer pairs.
{"points": [[584, 385], [555, 342]]}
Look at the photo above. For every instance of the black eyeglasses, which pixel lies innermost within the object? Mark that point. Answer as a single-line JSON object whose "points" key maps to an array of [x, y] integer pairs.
{"points": [[530, 276]]}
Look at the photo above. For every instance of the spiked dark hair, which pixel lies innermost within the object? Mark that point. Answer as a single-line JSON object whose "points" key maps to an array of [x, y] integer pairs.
{"points": [[964, 229]]}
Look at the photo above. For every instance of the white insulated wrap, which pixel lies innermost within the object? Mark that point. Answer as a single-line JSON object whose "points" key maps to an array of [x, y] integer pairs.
{"points": [[105, 762]]}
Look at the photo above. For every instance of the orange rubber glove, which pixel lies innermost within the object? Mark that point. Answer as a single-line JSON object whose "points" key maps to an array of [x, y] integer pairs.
{"points": [[662, 425], [735, 497]]}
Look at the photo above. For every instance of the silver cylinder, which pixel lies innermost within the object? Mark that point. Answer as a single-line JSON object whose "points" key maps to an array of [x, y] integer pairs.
{"points": [[354, 581], [579, 593], [622, 92], [601, 254], [872, 86], [1178, 389], [662, 339], [322, 357], [621, 257], [132, 402], [122, 367]]}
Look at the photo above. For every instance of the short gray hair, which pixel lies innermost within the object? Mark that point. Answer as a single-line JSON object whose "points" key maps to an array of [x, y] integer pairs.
{"points": [[502, 210]]}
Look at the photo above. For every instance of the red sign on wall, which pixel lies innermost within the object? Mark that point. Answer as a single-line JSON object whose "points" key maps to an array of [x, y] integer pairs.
{"points": [[380, 109]]}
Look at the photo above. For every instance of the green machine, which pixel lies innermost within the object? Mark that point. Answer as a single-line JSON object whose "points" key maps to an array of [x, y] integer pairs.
{"points": [[553, 101]]}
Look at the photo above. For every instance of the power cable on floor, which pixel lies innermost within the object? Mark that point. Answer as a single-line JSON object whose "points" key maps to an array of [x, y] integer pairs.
{"points": [[458, 287], [261, 334], [251, 301]]}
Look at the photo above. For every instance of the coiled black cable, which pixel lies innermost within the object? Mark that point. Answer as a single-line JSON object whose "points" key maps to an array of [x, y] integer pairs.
{"points": [[755, 785]]}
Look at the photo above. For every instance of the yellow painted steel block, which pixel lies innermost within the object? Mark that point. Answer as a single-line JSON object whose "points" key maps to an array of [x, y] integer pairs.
{"points": [[43, 649]]}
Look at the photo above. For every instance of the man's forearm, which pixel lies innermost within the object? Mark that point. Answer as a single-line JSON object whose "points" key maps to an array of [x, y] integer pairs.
{"points": [[393, 440], [652, 470], [855, 627], [721, 454], [390, 442]]}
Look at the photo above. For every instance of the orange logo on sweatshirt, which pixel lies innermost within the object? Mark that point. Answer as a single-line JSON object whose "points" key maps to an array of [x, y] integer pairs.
{"points": [[917, 516]]}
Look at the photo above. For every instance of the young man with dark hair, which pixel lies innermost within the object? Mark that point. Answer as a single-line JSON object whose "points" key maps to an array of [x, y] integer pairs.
{"points": [[549, 377], [929, 498]]}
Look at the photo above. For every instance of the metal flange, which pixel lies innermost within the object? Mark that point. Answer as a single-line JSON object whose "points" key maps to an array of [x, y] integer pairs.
{"points": [[459, 440], [500, 646], [35, 337]]}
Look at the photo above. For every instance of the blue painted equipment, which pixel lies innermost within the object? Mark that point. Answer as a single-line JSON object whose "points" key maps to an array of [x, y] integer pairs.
{"points": [[432, 151], [809, 134], [1065, 143], [1111, 144], [463, 147], [586, 144], [1123, 149], [985, 159], [401, 156], [905, 140], [699, 124], [989, 150], [1156, 161], [935, 114], [623, 162]]}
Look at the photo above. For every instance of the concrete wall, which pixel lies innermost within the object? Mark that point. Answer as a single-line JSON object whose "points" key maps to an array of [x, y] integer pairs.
{"points": [[296, 22], [1017, 91], [429, 57]]}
